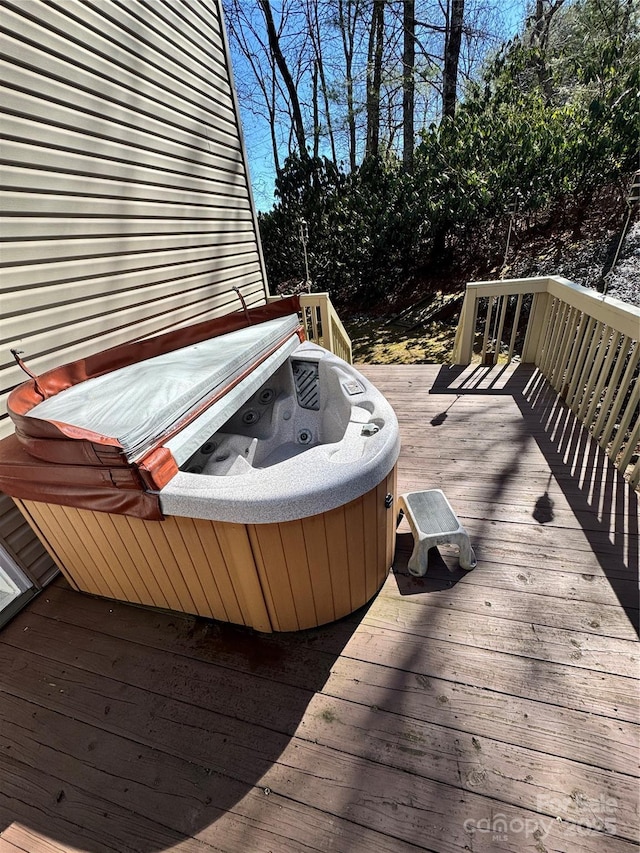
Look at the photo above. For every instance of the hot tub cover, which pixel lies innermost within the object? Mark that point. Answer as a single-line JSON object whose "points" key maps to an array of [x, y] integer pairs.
{"points": [[110, 456], [142, 403]]}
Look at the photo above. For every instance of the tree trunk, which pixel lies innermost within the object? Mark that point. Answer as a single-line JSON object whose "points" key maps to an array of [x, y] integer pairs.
{"points": [[542, 17], [408, 84], [316, 111], [313, 22], [274, 45], [374, 78], [453, 40], [271, 108], [347, 24]]}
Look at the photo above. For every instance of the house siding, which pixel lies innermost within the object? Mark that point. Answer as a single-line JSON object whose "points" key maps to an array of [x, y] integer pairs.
{"points": [[126, 204]]}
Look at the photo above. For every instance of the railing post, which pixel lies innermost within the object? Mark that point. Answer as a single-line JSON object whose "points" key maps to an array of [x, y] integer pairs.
{"points": [[325, 322], [463, 347]]}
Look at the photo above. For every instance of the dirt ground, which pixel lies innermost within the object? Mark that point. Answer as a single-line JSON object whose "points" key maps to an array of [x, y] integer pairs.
{"points": [[375, 342]]}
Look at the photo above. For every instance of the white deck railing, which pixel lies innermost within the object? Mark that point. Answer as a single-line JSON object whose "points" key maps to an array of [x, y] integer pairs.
{"points": [[586, 345], [322, 324]]}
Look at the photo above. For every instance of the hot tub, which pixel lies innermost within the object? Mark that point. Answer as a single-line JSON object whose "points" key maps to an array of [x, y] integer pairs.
{"points": [[268, 502], [315, 436]]}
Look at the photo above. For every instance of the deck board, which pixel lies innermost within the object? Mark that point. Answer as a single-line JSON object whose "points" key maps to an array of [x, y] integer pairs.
{"points": [[495, 710]]}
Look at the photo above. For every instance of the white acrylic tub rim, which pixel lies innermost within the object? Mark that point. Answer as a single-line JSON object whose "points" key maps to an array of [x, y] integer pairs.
{"points": [[317, 479]]}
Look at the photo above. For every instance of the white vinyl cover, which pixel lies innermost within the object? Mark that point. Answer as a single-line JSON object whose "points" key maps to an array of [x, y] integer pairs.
{"points": [[140, 403]]}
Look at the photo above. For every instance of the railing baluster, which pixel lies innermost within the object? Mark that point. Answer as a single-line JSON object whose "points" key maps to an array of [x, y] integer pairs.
{"points": [[580, 364], [555, 332], [550, 313], [514, 329], [594, 375], [630, 449], [545, 332], [619, 358], [503, 313], [573, 357], [625, 426], [554, 344], [602, 379], [476, 309], [325, 325], [559, 371], [559, 343], [483, 353], [618, 403], [583, 381]]}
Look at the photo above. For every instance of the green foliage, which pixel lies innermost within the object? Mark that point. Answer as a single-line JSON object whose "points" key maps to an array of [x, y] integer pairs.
{"points": [[365, 228], [553, 126]]}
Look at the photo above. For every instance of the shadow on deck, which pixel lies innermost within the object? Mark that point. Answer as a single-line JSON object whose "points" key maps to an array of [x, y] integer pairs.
{"points": [[494, 710], [595, 491]]}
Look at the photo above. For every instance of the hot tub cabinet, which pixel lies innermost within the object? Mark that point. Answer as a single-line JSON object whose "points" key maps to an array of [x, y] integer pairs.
{"points": [[272, 577], [265, 498]]}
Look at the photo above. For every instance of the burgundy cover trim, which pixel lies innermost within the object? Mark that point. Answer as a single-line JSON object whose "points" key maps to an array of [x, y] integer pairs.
{"points": [[157, 468], [78, 452], [96, 487]]}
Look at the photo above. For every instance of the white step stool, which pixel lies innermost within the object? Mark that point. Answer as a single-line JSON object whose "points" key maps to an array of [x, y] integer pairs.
{"points": [[432, 523]]}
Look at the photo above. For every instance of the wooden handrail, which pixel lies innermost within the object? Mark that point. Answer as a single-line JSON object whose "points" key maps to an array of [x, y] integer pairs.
{"points": [[322, 324], [586, 345]]}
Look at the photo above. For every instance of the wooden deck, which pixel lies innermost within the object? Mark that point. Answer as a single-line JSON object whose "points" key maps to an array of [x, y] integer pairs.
{"points": [[490, 711]]}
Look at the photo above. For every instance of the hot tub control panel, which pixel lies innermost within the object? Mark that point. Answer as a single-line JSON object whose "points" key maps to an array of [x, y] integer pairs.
{"points": [[353, 387]]}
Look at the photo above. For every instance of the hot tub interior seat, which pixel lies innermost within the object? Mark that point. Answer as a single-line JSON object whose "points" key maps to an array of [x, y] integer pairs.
{"points": [[304, 404]]}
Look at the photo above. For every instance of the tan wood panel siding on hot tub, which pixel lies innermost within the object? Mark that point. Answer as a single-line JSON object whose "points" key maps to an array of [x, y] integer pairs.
{"points": [[282, 577], [317, 569], [191, 565]]}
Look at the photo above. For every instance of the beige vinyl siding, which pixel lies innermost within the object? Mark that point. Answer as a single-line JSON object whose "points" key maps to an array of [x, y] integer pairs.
{"points": [[18, 539], [126, 206]]}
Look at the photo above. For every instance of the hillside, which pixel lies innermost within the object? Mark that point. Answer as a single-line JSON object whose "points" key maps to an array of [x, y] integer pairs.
{"points": [[546, 248]]}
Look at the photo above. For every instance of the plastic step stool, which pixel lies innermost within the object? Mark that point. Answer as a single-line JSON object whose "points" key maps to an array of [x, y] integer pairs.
{"points": [[433, 523]]}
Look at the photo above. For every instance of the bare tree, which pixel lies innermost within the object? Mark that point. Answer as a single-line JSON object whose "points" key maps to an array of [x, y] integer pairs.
{"points": [[540, 25], [374, 78], [283, 68], [255, 50], [453, 41], [316, 34], [349, 13], [408, 83], [358, 77]]}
